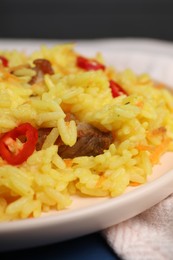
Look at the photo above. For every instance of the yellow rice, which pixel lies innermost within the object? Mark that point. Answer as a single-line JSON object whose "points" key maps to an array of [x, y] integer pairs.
{"points": [[46, 181]]}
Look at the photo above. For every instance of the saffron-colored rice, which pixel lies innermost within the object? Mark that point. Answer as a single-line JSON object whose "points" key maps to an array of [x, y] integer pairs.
{"points": [[46, 181]]}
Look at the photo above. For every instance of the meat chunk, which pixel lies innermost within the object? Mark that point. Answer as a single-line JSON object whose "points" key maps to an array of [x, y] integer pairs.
{"points": [[42, 67], [42, 134], [90, 141]]}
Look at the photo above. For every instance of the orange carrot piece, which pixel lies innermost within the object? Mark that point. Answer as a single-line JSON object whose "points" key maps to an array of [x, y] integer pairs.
{"points": [[134, 184], [68, 162], [159, 150]]}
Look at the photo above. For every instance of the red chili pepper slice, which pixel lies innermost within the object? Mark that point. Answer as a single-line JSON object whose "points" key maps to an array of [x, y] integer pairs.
{"points": [[116, 89], [26, 131], [87, 64], [4, 61]]}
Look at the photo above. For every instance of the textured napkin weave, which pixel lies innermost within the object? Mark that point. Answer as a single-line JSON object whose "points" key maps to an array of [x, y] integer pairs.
{"points": [[147, 236]]}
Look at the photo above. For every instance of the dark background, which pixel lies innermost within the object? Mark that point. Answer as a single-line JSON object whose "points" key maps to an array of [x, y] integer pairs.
{"points": [[86, 19]]}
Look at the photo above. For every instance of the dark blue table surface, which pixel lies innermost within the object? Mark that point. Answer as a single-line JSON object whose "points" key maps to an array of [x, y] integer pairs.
{"points": [[89, 247]]}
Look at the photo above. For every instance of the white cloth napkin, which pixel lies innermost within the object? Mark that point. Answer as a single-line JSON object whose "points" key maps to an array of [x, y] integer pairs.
{"points": [[146, 236]]}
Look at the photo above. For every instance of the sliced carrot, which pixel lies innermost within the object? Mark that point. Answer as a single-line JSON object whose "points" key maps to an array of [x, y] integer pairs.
{"points": [[68, 162], [140, 104], [142, 147], [156, 151], [66, 107], [160, 86], [159, 150], [134, 184]]}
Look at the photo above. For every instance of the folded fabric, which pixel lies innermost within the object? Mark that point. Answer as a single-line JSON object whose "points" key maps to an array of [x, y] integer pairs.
{"points": [[145, 236]]}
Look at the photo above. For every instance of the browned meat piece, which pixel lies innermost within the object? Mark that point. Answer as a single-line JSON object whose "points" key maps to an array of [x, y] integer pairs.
{"points": [[42, 67], [90, 141], [42, 134]]}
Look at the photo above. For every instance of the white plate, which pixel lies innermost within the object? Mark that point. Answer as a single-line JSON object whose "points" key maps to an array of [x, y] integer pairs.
{"points": [[90, 215]]}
